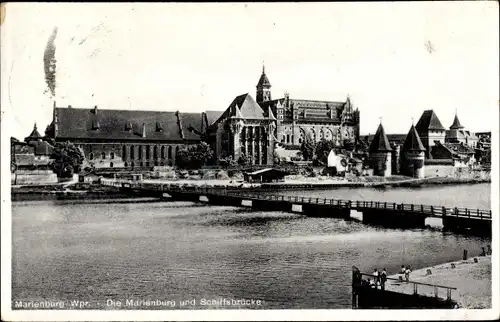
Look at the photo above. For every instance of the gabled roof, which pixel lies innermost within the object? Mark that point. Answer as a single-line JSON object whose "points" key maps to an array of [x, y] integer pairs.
{"points": [[243, 106], [413, 142], [212, 116], [429, 121], [380, 142], [92, 123], [456, 123]]}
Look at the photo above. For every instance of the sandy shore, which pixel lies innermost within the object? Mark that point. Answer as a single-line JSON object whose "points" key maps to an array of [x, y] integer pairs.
{"points": [[472, 280]]}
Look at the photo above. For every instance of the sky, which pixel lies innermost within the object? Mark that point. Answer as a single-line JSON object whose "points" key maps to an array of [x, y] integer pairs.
{"points": [[395, 60]]}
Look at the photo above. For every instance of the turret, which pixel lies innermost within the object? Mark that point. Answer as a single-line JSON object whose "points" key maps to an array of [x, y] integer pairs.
{"points": [[380, 153], [414, 155], [263, 88]]}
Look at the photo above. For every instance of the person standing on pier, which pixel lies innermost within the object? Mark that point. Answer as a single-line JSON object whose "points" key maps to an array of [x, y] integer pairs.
{"points": [[383, 278], [375, 277], [407, 273]]}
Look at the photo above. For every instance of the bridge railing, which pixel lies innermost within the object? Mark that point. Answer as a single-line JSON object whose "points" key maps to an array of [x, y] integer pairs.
{"points": [[418, 285], [437, 211]]}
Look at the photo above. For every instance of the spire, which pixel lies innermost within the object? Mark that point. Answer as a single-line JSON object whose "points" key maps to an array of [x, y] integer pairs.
{"points": [[263, 68], [456, 123], [380, 143], [412, 141], [270, 113], [263, 81], [35, 134]]}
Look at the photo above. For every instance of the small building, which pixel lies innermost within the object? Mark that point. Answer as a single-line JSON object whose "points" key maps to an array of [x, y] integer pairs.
{"points": [[430, 130], [460, 153], [380, 153], [265, 175], [457, 134], [339, 161]]}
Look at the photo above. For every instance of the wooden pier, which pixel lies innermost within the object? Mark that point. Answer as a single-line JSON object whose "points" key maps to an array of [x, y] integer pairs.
{"points": [[423, 295], [388, 214]]}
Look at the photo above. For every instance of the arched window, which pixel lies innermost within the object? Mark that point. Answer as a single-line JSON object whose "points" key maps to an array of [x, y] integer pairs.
{"points": [[313, 135], [148, 152], [321, 134], [126, 164], [112, 155], [132, 153], [124, 153], [288, 138], [103, 155], [302, 135], [111, 164], [132, 164], [162, 152], [91, 156], [170, 152], [140, 152], [155, 152]]}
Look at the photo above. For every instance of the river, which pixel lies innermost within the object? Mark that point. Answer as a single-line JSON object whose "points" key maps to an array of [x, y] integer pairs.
{"points": [[105, 251]]}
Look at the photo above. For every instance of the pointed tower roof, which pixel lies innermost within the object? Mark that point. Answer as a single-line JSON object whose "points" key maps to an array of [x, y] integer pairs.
{"points": [[380, 143], [270, 113], [456, 123], [263, 81], [413, 142], [429, 121], [35, 133]]}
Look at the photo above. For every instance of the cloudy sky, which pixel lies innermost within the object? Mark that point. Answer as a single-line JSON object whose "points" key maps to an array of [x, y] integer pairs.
{"points": [[394, 59]]}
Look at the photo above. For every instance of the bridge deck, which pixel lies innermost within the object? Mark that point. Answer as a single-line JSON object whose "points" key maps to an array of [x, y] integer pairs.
{"points": [[425, 210]]}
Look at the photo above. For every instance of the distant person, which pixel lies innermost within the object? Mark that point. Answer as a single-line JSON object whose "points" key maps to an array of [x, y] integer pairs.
{"points": [[383, 278], [403, 270], [372, 283], [489, 250], [483, 252], [407, 273]]}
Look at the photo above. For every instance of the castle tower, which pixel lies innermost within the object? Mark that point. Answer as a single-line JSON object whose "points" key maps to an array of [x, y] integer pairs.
{"points": [[380, 153], [263, 88], [396, 159], [455, 134], [414, 155]]}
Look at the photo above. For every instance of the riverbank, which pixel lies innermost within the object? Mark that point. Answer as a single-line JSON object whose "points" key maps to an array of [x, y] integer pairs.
{"points": [[97, 191], [472, 280]]}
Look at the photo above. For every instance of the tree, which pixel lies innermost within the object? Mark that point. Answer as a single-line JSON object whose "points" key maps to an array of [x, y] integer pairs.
{"points": [[323, 148], [193, 157], [307, 148], [243, 159], [68, 159]]}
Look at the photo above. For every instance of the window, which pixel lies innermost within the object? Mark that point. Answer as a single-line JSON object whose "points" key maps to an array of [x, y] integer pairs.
{"points": [[126, 164], [162, 153], [132, 164], [103, 155], [111, 164], [169, 152], [124, 153], [132, 153], [91, 156], [112, 155], [155, 152], [148, 152], [140, 152]]}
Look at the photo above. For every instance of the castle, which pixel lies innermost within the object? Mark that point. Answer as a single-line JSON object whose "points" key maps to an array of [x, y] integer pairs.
{"points": [[254, 127]]}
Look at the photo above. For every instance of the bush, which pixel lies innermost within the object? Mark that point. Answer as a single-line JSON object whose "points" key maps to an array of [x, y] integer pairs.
{"points": [[193, 157], [222, 175]]}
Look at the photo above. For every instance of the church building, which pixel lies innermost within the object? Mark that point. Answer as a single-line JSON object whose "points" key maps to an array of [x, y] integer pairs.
{"points": [[254, 127]]}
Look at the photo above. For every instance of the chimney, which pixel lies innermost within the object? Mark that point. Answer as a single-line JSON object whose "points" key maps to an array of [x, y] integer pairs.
{"points": [[143, 129]]}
